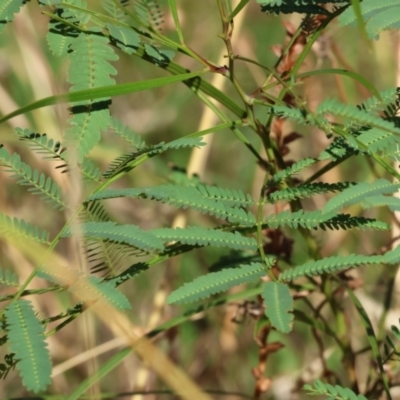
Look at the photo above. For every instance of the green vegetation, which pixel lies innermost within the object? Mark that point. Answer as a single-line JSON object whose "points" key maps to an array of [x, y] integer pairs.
{"points": [[123, 229]]}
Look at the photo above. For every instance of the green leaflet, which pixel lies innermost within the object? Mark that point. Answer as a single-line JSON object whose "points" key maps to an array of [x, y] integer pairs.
{"points": [[41, 144], [90, 68], [215, 282], [292, 170], [7, 277], [113, 10], [380, 15], [290, 6], [355, 115], [7, 10], [126, 39], [127, 134], [334, 392], [374, 104], [290, 113], [128, 234], [20, 228], [392, 202], [346, 221], [90, 172], [377, 140], [360, 192], [205, 199], [305, 219], [337, 150], [45, 187], [392, 256], [60, 36], [307, 190], [278, 305], [333, 264], [27, 340], [199, 236], [149, 13], [126, 162], [96, 288]]}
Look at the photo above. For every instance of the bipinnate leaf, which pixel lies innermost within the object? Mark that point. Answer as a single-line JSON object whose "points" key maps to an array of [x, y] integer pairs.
{"points": [[21, 229], [215, 282], [199, 236], [8, 278], [329, 264], [305, 219], [359, 193], [89, 68], [27, 340], [223, 203], [334, 392], [7, 10], [339, 263], [126, 39], [292, 170], [93, 288], [392, 202], [128, 234], [355, 115], [278, 305]]}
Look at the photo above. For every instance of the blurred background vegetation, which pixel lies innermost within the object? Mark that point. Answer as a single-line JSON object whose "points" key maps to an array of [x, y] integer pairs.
{"points": [[215, 351]]}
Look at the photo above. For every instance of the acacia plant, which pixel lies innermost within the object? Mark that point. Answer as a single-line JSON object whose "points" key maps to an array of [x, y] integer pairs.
{"points": [[258, 234]]}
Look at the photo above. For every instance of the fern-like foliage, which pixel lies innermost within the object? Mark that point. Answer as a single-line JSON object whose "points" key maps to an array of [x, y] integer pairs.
{"points": [[126, 162], [60, 36], [130, 136], [90, 68], [21, 229], [355, 115], [41, 143], [290, 171], [278, 304], [346, 221], [376, 104], [339, 263], [7, 10], [125, 39], [27, 340], [379, 141], [309, 220], [307, 190], [90, 172], [199, 236], [328, 264], [338, 150], [113, 10], [8, 278], [297, 6], [334, 392], [149, 13], [217, 282], [103, 254], [45, 187], [129, 273], [379, 15], [128, 234], [92, 288], [205, 199], [392, 202], [359, 193]]}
